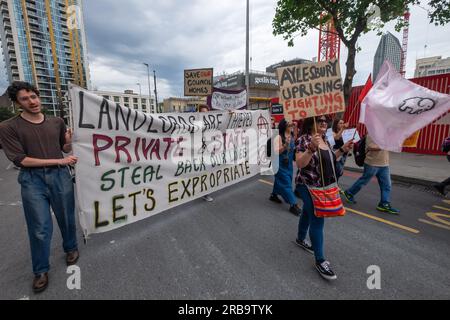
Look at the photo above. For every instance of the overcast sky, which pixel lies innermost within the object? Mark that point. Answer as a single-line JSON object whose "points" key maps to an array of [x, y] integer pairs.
{"points": [[173, 35]]}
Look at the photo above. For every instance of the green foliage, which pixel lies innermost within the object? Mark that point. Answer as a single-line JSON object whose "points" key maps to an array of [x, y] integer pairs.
{"points": [[440, 12], [350, 17], [5, 114]]}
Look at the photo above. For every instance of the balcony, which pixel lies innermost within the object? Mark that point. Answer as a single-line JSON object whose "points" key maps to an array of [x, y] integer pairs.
{"points": [[34, 22], [31, 5]]}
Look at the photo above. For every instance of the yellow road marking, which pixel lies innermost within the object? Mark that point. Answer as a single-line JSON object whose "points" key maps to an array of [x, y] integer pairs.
{"points": [[368, 216], [384, 221], [442, 208], [266, 182], [435, 216], [434, 224]]}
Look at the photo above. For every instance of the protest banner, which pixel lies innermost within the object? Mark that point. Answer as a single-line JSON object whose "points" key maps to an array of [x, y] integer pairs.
{"points": [[347, 135], [222, 99], [134, 165], [198, 82], [351, 134], [330, 137], [312, 89]]}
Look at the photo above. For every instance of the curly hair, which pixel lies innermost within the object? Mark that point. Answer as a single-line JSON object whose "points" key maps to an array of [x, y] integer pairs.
{"points": [[16, 86]]}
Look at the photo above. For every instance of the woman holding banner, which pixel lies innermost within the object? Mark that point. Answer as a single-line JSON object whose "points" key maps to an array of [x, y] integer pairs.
{"points": [[316, 170], [285, 148]]}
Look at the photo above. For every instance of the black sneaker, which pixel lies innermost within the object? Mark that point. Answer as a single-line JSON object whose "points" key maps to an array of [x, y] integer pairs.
{"points": [[304, 245], [440, 188], [348, 197], [295, 210], [325, 271], [386, 207], [274, 198]]}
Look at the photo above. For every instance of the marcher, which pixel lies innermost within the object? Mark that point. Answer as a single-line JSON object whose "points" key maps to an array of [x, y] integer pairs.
{"points": [[35, 143], [312, 141], [376, 164], [285, 148], [205, 108], [338, 128], [440, 187]]}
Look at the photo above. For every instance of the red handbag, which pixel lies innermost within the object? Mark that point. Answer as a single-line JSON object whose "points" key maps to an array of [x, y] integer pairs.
{"points": [[327, 200]]}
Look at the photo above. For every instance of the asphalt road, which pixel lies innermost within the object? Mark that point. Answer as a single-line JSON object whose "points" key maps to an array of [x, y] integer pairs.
{"points": [[241, 247]]}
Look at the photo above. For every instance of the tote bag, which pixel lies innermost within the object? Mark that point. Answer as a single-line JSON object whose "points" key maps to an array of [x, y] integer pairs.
{"points": [[327, 200]]}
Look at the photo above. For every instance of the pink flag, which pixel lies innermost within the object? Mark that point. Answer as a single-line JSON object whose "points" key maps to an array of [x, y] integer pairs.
{"points": [[395, 108]]}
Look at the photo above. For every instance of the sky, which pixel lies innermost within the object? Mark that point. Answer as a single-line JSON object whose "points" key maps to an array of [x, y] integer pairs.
{"points": [[173, 35]]}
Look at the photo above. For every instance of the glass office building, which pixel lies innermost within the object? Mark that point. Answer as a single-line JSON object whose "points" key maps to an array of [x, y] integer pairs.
{"points": [[44, 43]]}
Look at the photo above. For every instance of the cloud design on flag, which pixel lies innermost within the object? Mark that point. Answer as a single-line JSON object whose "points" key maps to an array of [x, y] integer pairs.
{"points": [[417, 105]]}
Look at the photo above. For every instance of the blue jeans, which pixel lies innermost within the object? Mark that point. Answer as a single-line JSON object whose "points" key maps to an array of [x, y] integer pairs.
{"points": [[308, 220], [340, 165], [41, 189], [384, 181]]}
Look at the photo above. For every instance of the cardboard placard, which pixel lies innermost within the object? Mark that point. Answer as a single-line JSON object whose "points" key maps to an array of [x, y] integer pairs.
{"points": [[198, 82], [311, 89]]}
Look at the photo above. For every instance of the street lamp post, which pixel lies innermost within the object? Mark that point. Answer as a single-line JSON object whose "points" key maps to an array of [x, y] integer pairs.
{"points": [[140, 95], [149, 89], [140, 91], [247, 54], [156, 92]]}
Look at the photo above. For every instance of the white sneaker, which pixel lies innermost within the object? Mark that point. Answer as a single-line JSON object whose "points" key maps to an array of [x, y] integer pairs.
{"points": [[208, 198]]}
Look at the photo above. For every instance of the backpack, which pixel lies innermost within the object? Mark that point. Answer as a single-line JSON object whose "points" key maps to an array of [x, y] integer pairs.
{"points": [[359, 150], [446, 145]]}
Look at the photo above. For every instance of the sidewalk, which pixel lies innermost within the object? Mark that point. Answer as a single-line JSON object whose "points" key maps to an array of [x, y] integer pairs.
{"points": [[413, 168]]}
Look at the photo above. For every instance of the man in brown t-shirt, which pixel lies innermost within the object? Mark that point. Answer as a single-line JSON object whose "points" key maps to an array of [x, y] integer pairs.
{"points": [[376, 164], [36, 143]]}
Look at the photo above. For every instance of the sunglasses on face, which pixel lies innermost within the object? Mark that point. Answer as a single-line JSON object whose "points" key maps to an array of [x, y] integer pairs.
{"points": [[322, 121]]}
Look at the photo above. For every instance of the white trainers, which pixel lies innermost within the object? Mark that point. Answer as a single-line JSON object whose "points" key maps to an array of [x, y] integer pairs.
{"points": [[208, 198]]}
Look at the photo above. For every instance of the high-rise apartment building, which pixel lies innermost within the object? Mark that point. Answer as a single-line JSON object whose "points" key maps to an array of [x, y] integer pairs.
{"points": [[44, 43], [389, 49]]}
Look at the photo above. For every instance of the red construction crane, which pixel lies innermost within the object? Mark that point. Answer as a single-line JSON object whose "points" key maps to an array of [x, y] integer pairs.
{"points": [[404, 44], [329, 42]]}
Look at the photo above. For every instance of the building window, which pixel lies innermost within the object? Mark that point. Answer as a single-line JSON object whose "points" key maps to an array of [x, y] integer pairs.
{"points": [[117, 99]]}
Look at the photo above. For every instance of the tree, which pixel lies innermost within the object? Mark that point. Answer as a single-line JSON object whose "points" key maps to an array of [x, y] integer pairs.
{"points": [[440, 12], [5, 114], [351, 19]]}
